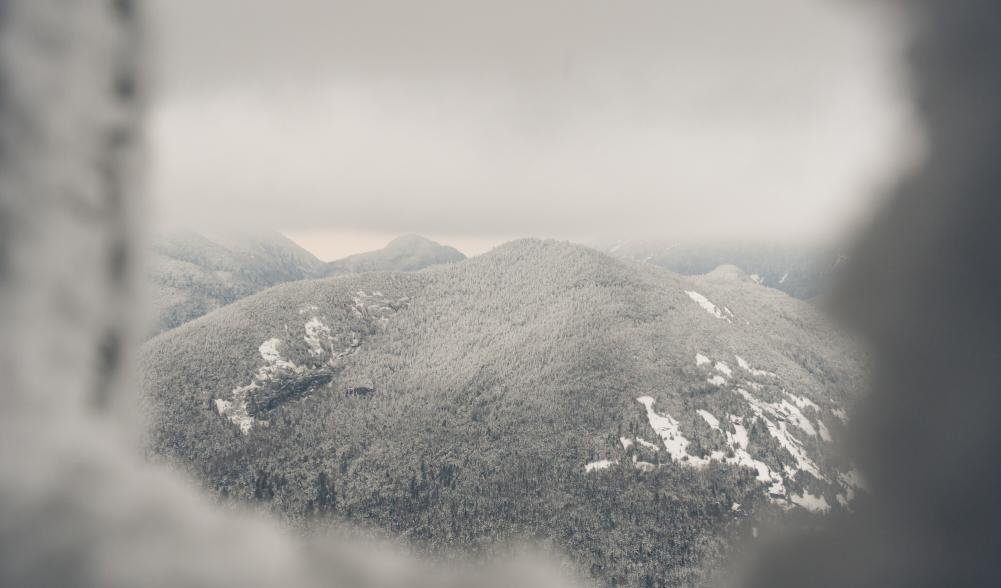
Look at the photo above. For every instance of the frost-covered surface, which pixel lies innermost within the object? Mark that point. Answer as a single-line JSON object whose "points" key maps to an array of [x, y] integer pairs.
{"points": [[644, 443], [269, 351], [793, 421], [325, 350], [677, 446], [755, 372], [599, 465], [235, 408], [810, 502], [376, 305], [668, 430], [710, 420], [775, 418], [316, 334], [80, 507], [823, 432], [852, 478], [709, 307], [851, 482], [803, 402], [717, 380]]}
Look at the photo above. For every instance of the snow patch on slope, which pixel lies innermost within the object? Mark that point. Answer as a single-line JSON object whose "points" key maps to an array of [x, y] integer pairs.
{"points": [[778, 429], [316, 334], [677, 446], [599, 465], [269, 351], [643, 466], [708, 306], [235, 408], [851, 482], [710, 420], [802, 402], [810, 502], [755, 372], [667, 428], [325, 350], [376, 305], [717, 380], [784, 420], [644, 443]]}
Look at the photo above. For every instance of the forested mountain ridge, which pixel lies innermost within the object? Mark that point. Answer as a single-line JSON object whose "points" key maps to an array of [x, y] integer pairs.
{"points": [[403, 254], [638, 419], [192, 273], [802, 272]]}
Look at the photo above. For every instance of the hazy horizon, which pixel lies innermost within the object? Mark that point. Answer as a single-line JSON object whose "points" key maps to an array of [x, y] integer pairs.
{"points": [[345, 124], [331, 245]]}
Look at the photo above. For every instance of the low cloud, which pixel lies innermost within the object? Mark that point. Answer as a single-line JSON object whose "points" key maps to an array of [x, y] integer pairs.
{"points": [[576, 120]]}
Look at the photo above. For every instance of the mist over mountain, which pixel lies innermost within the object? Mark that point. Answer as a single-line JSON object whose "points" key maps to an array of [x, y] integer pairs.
{"points": [[802, 271], [639, 420], [191, 273]]}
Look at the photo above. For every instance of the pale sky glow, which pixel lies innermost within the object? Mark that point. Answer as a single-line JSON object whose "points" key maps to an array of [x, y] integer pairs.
{"points": [[347, 123], [331, 244]]}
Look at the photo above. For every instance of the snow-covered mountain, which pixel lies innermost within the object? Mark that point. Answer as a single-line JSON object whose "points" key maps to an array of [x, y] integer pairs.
{"points": [[192, 273], [639, 419], [803, 272], [404, 254]]}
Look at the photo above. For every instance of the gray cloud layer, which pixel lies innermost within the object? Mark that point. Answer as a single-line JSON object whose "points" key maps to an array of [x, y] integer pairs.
{"points": [[583, 119]]}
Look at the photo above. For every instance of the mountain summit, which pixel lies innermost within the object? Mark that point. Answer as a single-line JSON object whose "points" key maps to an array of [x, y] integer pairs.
{"points": [[639, 419], [192, 272], [402, 254]]}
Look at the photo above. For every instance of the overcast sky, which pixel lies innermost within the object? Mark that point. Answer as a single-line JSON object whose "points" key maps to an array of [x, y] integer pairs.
{"points": [[345, 123]]}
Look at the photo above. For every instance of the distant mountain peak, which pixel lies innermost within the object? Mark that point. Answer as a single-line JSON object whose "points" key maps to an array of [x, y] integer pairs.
{"points": [[409, 240], [537, 245], [729, 271], [408, 252], [802, 271], [547, 255], [194, 271]]}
